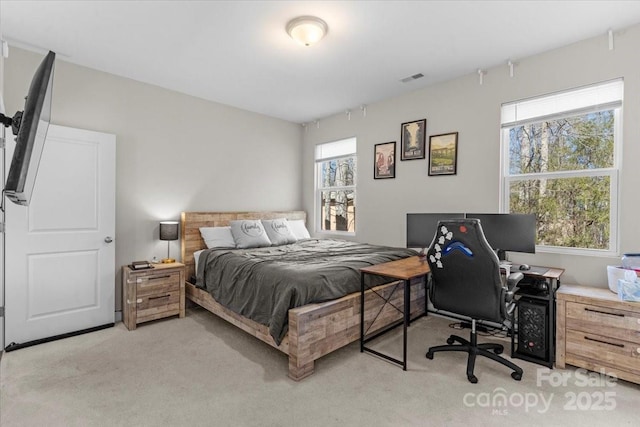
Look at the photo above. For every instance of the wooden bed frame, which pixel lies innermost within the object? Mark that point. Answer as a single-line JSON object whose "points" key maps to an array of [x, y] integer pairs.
{"points": [[314, 329]]}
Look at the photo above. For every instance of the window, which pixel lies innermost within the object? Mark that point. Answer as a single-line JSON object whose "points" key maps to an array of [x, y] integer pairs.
{"points": [[560, 162], [336, 186]]}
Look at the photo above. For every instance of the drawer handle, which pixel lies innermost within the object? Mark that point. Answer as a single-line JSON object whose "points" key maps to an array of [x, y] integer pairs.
{"points": [[604, 342], [142, 279], [163, 296], [604, 312]]}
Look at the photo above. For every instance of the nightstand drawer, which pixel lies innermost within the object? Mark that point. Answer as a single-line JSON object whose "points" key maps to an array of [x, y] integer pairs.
{"points": [[158, 303], [604, 321], [158, 283], [602, 351]]}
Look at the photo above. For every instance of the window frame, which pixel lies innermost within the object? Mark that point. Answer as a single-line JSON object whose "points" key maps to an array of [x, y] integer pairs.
{"points": [[319, 189], [613, 172]]}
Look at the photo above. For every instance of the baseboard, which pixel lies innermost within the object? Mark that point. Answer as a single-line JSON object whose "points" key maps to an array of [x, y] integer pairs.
{"points": [[16, 346]]}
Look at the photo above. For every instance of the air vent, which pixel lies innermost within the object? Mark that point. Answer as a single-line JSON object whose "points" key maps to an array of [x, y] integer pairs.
{"points": [[411, 78]]}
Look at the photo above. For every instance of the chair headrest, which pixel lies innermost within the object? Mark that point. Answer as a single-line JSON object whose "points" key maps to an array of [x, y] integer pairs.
{"points": [[458, 235]]}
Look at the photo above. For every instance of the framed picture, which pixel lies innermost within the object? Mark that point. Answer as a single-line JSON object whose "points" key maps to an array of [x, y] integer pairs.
{"points": [[384, 162], [412, 139], [443, 154]]}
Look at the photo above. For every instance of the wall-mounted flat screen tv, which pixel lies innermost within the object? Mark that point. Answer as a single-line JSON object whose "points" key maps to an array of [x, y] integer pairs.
{"points": [[30, 127]]}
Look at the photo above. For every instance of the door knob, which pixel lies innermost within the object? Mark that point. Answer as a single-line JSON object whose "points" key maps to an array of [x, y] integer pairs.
{"points": [[108, 239]]}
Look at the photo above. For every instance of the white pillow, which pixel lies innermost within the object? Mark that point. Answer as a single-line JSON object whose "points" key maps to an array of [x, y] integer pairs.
{"points": [[278, 231], [249, 233], [217, 237], [298, 229], [196, 258]]}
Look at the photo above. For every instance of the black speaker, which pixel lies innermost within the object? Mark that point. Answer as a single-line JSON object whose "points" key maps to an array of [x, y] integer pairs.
{"points": [[533, 319]]}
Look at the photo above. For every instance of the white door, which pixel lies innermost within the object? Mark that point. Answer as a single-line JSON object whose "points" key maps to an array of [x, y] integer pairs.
{"points": [[60, 250]]}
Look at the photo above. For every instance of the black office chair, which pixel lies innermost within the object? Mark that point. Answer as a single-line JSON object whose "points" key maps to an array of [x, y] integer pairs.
{"points": [[465, 280]]}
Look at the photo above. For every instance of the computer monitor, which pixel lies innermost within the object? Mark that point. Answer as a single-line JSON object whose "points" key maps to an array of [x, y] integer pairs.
{"points": [[422, 227], [508, 232]]}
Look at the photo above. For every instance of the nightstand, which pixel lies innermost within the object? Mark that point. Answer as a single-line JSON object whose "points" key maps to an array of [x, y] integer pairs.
{"points": [[152, 294], [596, 330]]}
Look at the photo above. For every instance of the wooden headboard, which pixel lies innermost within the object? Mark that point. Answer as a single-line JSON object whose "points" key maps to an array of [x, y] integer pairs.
{"points": [[191, 241]]}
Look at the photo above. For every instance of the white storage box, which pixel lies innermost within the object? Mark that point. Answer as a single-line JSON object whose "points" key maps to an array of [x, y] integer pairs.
{"points": [[614, 273]]}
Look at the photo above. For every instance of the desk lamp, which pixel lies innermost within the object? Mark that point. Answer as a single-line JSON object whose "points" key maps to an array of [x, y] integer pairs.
{"points": [[169, 232]]}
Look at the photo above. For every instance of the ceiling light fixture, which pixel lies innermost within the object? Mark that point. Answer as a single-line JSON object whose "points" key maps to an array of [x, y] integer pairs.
{"points": [[307, 30]]}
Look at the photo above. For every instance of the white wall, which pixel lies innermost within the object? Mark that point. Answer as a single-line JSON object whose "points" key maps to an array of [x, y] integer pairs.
{"points": [[174, 152], [473, 110]]}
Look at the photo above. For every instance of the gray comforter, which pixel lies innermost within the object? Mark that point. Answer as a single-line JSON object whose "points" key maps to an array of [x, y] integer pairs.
{"points": [[264, 283]]}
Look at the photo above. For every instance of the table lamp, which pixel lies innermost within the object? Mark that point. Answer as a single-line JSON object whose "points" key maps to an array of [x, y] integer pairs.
{"points": [[169, 232]]}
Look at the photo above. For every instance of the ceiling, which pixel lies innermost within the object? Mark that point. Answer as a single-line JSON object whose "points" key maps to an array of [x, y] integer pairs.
{"points": [[238, 53]]}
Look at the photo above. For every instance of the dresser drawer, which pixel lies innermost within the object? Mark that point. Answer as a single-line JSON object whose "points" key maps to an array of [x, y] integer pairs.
{"points": [[592, 351], [603, 321]]}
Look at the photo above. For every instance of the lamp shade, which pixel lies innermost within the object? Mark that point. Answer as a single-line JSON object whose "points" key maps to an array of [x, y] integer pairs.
{"points": [[169, 230]]}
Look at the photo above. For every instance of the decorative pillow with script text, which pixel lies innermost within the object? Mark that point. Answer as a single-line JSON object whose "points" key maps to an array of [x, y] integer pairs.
{"points": [[249, 233], [278, 231]]}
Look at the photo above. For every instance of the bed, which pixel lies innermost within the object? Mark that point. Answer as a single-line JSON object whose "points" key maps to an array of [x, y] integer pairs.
{"points": [[314, 330]]}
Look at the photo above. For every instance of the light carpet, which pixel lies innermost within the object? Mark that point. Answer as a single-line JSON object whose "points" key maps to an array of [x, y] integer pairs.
{"points": [[202, 371]]}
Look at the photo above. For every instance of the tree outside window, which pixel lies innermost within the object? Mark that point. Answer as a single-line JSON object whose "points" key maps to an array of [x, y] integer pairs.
{"points": [[562, 168], [336, 184]]}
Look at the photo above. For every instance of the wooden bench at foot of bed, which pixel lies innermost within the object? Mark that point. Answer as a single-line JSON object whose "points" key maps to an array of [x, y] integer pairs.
{"points": [[319, 329]]}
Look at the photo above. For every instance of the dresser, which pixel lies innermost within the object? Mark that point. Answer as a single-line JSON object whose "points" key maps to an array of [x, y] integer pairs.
{"points": [[152, 294], [595, 330]]}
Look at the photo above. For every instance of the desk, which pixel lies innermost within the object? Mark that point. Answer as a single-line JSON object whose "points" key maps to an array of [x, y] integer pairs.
{"points": [[536, 316], [405, 270]]}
